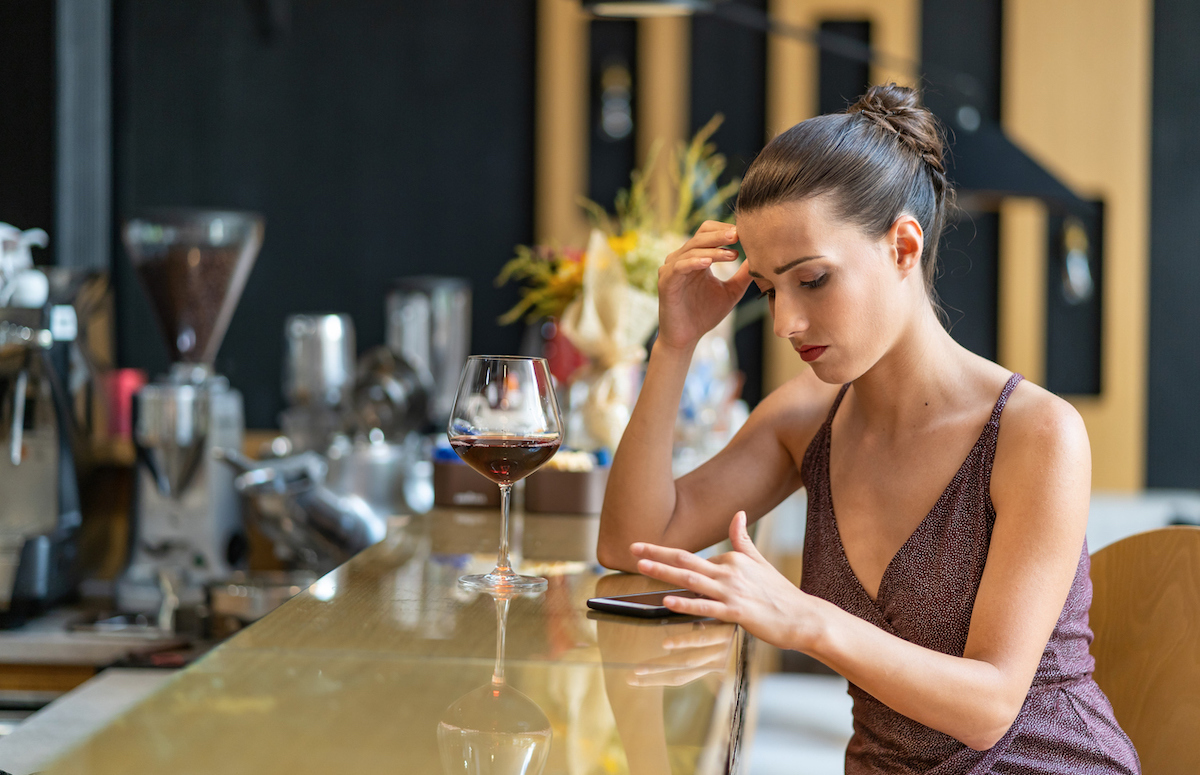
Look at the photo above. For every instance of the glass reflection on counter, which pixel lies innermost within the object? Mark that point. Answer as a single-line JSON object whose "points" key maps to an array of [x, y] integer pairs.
{"points": [[494, 729], [645, 662]]}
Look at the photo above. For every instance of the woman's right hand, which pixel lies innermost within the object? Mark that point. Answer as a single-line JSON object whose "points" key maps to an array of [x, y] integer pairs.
{"points": [[691, 300]]}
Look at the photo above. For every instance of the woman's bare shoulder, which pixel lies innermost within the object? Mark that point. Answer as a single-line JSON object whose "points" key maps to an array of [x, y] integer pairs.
{"points": [[1034, 415], [1042, 449]]}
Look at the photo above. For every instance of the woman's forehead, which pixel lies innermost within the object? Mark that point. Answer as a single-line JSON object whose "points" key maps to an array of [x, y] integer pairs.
{"points": [[781, 232]]}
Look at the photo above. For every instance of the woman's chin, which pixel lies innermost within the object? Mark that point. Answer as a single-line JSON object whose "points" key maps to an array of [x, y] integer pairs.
{"points": [[831, 373]]}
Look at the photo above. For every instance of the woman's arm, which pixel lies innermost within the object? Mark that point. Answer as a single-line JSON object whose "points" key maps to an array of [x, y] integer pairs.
{"points": [[1040, 488], [754, 472]]}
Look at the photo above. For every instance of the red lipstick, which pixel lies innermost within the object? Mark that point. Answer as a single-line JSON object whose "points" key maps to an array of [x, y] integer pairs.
{"points": [[811, 353]]}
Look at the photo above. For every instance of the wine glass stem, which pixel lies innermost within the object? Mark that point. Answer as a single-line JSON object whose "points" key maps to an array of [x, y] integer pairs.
{"points": [[502, 565], [501, 626]]}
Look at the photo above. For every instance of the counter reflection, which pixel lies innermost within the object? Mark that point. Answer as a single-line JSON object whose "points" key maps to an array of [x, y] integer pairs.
{"points": [[495, 728]]}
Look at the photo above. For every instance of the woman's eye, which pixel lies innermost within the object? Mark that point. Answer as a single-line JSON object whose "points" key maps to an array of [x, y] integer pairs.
{"points": [[815, 283], [767, 294]]}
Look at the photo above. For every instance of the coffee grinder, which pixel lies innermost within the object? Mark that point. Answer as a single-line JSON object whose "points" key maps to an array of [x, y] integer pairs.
{"points": [[186, 529]]}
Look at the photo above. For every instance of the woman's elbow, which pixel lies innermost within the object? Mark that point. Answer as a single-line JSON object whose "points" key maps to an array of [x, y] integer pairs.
{"points": [[992, 728], [614, 555]]}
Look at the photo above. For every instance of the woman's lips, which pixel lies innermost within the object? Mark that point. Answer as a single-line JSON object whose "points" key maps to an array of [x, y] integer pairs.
{"points": [[811, 353]]}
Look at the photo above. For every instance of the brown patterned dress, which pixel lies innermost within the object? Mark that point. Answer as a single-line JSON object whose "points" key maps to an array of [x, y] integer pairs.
{"points": [[926, 597]]}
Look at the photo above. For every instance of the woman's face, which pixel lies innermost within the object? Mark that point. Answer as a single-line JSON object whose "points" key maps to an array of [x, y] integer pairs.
{"points": [[839, 296]]}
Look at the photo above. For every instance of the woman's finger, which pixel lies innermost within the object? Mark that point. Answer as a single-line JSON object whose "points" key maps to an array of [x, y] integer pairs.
{"points": [[694, 606], [740, 281], [681, 577], [739, 536], [699, 637], [683, 660], [714, 237], [674, 678], [677, 557], [685, 266], [716, 254]]}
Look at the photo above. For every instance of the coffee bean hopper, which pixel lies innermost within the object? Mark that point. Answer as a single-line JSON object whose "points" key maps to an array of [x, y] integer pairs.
{"points": [[187, 525]]}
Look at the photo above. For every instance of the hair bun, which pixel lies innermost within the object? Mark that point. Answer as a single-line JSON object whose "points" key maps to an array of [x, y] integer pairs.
{"points": [[898, 111]]}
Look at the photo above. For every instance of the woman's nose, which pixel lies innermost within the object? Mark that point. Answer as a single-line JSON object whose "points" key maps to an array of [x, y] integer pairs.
{"points": [[790, 321]]}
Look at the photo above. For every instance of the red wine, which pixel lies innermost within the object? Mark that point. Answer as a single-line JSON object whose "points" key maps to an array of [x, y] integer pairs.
{"points": [[504, 459]]}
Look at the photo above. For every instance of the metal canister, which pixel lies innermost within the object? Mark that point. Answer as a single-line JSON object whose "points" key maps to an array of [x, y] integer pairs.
{"points": [[429, 326], [319, 369]]}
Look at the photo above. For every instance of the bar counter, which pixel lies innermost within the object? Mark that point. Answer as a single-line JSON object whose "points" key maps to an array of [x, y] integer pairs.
{"points": [[387, 665]]}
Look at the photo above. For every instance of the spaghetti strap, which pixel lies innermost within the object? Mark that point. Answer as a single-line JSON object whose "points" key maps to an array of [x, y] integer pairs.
{"points": [[1002, 401], [836, 403]]}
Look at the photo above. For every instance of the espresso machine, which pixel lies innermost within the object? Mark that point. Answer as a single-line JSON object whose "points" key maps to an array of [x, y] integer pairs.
{"points": [[39, 496], [186, 526]]}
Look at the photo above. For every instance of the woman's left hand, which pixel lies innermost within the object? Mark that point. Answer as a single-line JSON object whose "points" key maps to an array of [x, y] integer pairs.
{"points": [[741, 585]]}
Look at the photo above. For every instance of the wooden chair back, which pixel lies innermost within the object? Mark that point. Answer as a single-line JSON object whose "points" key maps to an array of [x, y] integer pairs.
{"points": [[1146, 617]]}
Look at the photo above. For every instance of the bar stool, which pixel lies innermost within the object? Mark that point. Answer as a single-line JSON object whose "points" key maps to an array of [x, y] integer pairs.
{"points": [[1146, 618]]}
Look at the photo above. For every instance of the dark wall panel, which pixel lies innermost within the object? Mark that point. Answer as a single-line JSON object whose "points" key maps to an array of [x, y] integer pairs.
{"points": [[379, 139], [960, 52], [1173, 398], [27, 114], [1074, 320], [612, 154], [840, 79], [729, 77]]}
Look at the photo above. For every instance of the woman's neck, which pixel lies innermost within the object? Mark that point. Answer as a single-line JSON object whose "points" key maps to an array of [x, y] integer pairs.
{"points": [[918, 377]]}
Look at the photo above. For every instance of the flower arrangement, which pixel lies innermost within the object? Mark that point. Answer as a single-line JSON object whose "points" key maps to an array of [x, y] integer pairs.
{"points": [[552, 277], [605, 297]]}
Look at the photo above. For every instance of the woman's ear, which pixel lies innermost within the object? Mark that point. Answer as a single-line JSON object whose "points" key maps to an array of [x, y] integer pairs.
{"points": [[907, 242]]}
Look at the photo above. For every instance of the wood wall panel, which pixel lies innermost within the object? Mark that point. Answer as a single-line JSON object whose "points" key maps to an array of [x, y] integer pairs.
{"points": [[560, 176], [663, 91], [1076, 96]]}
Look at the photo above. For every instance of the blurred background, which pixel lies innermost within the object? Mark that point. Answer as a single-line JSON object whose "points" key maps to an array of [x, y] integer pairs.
{"points": [[206, 408], [390, 139]]}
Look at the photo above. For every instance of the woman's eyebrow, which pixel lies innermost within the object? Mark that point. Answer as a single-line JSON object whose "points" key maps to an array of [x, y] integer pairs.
{"points": [[785, 267]]}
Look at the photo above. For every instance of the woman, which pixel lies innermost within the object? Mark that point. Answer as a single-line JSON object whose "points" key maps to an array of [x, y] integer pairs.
{"points": [[958, 612]]}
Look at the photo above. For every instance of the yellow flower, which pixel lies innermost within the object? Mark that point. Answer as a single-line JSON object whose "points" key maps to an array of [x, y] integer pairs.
{"points": [[623, 244]]}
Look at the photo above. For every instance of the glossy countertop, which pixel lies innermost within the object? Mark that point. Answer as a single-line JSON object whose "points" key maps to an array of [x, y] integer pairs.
{"points": [[387, 665]]}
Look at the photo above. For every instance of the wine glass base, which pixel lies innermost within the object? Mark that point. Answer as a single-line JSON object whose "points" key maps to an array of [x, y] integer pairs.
{"points": [[503, 582]]}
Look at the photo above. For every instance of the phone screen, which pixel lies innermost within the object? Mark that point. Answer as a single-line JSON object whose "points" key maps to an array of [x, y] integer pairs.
{"points": [[645, 604]]}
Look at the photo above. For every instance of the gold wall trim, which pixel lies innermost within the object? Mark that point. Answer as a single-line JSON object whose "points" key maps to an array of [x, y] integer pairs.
{"points": [[1021, 311], [664, 51], [1076, 96], [561, 122]]}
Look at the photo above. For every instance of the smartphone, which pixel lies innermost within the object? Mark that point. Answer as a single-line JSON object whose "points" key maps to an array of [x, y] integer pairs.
{"points": [[648, 605]]}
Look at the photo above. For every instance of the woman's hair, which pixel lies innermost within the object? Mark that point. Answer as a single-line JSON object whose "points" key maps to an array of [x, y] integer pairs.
{"points": [[880, 159]]}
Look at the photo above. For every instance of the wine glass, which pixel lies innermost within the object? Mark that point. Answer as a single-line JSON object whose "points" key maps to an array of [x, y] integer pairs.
{"points": [[505, 424], [495, 728]]}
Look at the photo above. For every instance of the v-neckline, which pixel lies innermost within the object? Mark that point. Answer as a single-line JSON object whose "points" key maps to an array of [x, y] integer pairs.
{"points": [[837, 530]]}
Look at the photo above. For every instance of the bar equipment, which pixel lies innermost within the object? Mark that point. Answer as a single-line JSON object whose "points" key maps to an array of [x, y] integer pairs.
{"points": [[186, 529], [318, 379], [312, 526], [429, 326], [39, 492], [39, 510]]}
